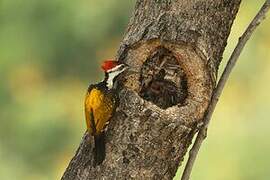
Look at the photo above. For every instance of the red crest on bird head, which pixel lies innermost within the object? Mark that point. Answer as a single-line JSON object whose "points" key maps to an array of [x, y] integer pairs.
{"points": [[109, 64]]}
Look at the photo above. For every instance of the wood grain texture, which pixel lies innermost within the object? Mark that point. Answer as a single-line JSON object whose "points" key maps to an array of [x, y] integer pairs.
{"points": [[145, 141]]}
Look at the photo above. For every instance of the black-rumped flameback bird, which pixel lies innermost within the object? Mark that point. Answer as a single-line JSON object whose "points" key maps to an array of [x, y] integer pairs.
{"points": [[100, 103]]}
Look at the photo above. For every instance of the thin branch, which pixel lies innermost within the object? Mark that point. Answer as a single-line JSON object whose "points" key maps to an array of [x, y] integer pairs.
{"points": [[219, 88]]}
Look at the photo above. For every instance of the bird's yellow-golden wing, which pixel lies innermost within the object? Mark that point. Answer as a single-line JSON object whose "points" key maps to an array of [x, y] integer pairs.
{"points": [[99, 108]]}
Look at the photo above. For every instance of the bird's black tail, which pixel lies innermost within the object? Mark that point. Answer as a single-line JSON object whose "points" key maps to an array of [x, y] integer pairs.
{"points": [[99, 149]]}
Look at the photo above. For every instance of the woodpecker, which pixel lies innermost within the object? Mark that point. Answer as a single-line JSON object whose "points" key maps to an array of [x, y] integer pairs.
{"points": [[100, 103]]}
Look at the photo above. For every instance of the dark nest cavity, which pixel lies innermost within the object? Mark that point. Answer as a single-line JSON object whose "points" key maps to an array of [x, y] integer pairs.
{"points": [[163, 81]]}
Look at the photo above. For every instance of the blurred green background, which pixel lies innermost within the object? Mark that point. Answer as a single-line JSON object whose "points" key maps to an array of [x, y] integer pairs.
{"points": [[50, 50]]}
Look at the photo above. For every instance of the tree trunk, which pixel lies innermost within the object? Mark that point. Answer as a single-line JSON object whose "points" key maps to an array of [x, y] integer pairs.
{"points": [[173, 48]]}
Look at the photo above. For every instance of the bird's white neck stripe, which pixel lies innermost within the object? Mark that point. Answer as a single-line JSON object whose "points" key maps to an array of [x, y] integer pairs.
{"points": [[110, 79], [113, 73]]}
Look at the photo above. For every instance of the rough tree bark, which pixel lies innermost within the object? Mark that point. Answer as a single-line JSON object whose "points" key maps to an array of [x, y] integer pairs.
{"points": [[174, 48]]}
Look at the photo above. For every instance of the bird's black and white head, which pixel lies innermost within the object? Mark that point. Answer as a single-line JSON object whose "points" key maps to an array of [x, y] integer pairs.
{"points": [[112, 69]]}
